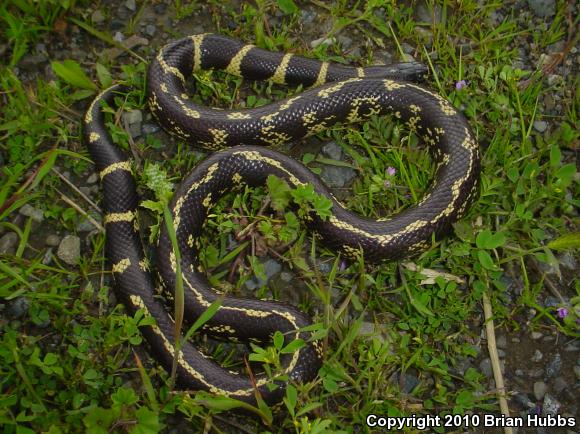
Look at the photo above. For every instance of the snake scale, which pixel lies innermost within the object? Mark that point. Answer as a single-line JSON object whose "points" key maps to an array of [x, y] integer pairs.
{"points": [[335, 93]]}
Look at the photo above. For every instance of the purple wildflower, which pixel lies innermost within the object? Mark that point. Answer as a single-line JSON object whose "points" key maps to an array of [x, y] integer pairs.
{"points": [[391, 171], [460, 84], [562, 312]]}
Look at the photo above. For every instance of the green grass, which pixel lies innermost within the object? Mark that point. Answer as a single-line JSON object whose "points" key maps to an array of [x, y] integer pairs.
{"points": [[72, 362]]}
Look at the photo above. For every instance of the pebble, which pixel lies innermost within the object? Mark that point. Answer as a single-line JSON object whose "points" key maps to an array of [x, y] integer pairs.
{"points": [[150, 30], [52, 240], [524, 400], [537, 356], [34, 213], [133, 119], [93, 177], [501, 341], [69, 249], [554, 79], [149, 128], [559, 384], [85, 225], [577, 372], [485, 366], [568, 261], [119, 37], [554, 366], [407, 48], [543, 8], [8, 243], [97, 17], [408, 382], [320, 41], [332, 150], [551, 405], [427, 14], [540, 126], [17, 308], [131, 5], [160, 8], [336, 176], [307, 17], [536, 335], [345, 41], [271, 268], [540, 389], [536, 373]]}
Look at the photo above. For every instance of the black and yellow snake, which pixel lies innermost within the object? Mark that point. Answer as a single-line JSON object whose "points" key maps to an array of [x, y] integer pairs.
{"points": [[337, 94]]}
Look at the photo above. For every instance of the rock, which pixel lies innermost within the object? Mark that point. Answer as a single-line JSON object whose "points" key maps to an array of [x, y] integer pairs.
{"points": [[543, 8], [485, 367], [426, 14], [320, 41], [34, 213], [149, 128], [554, 366], [86, 225], [537, 356], [97, 17], [150, 30], [93, 177], [8, 243], [133, 119], [554, 79], [559, 384], [17, 308], [501, 341], [577, 372], [536, 335], [536, 373], [131, 5], [408, 382], [307, 16], [551, 405], [523, 400], [568, 261], [52, 240], [332, 150], [69, 249], [540, 389], [345, 41], [337, 176], [160, 8], [407, 48], [31, 62], [271, 268], [119, 37], [540, 126]]}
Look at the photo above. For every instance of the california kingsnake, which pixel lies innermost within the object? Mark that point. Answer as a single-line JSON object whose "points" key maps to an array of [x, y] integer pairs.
{"points": [[339, 94]]}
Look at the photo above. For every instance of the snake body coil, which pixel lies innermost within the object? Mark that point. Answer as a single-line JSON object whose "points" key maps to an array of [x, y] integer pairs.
{"points": [[340, 94]]}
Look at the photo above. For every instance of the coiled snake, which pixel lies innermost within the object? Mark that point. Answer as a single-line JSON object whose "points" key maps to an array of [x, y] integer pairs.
{"points": [[338, 94]]}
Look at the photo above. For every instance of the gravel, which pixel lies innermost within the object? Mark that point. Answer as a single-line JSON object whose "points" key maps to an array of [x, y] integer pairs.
{"points": [[69, 249]]}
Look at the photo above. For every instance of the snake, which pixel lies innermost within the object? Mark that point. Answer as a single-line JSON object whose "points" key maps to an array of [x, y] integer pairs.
{"points": [[244, 142]]}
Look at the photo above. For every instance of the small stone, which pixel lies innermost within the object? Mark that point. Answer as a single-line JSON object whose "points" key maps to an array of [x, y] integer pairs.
{"points": [[160, 8], [536, 335], [86, 225], [554, 366], [554, 79], [426, 14], [345, 41], [543, 8], [408, 382], [34, 213], [131, 5], [568, 261], [407, 48], [307, 16], [540, 389], [485, 366], [519, 372], [536, 373], [332, 150], [119, 37], [320, 41], [577, 372], [17, 308], [97, 17], [286, 276], [559, 384], [551, 405], [52, 240], [8, 243], [133, 119], [337, 176], [516, 340], [524, 400], [271, 268], [540, 126], [150, 128], [93, 177], [69, 249], [150, 30], [537, 356], [501, 341]]}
